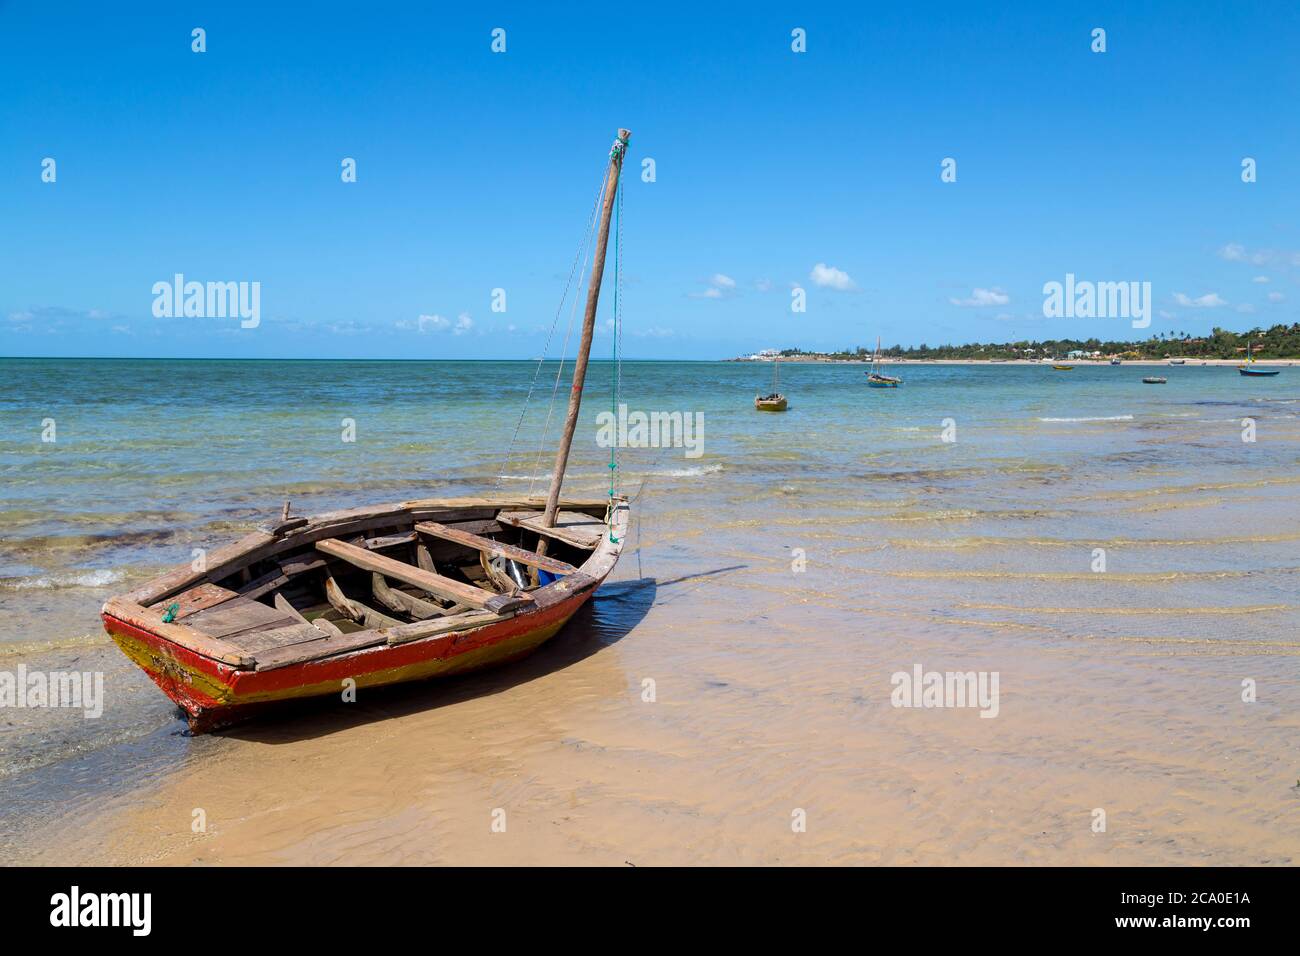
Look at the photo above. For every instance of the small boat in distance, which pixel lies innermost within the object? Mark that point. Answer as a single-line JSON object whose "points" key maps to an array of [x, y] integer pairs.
{"points": [[1115, 361], [1063, 368], [1178, 361], [775, 402], [379, 594], [1154, 380], [1249, 367], [878, 379]]}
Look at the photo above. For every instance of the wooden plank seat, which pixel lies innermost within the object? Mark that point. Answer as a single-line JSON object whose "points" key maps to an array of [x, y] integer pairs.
{"points": [[571, 527], [430, 581], [196, 599], [496, 548], [237, 615], [252, 626]]}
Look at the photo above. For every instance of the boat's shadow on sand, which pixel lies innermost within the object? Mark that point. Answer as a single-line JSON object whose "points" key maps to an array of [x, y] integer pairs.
{"points": [[605, 620]]}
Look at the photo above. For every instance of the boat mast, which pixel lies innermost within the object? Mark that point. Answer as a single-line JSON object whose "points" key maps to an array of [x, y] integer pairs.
{"points": [[588, 329]]}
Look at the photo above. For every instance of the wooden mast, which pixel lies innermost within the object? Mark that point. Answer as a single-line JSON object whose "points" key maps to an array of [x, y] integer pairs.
{"points": [[588, 329]]}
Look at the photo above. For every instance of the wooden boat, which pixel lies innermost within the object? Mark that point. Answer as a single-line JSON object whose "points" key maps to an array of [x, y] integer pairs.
{"points": [[1178, 361], [1115, 361], [380, 594], [1154, 380], [878, 379], [1249, 367], [775, 402], [1064, 368]]}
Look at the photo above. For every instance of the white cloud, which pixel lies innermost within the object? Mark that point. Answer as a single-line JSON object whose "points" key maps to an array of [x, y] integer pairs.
{"points": [[763, 285], [720, 286], [1236, 252], [1260, 279], [828, 277], [348, 327], [425, 323], [439, 323], [1211, 300], [983, 297], [1276, 297], [1246, 309], [60, 319]]}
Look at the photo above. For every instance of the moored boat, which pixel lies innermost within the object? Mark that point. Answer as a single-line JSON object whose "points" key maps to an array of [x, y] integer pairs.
{"points": [[878, 379], [1154, 380], [380, 594], [1249, 367], [1063, 368], [774, 401]]}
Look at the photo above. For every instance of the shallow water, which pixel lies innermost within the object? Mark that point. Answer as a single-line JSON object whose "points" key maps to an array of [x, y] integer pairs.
{"points": [[1120, 690]]}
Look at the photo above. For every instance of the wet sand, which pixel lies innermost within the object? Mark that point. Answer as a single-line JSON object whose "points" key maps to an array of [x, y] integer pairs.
{"points": [[770, 697]]}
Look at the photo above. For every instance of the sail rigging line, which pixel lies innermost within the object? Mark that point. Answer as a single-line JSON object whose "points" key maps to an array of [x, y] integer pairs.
{"points": [[579, 254], [559, 370], [555, 386]]}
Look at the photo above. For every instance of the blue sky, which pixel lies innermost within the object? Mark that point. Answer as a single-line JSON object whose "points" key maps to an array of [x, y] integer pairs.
{"points": [[476, 171]]}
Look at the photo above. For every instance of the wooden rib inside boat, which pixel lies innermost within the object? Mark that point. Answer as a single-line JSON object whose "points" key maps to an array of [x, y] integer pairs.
{"points": [[381, 594]]}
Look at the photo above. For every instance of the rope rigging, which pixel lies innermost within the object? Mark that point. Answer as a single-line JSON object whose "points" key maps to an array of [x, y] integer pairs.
{"points": [[579, 255]]}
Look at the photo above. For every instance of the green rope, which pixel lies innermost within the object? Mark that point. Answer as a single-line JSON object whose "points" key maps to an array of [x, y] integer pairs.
{"points": [[170, 615]]}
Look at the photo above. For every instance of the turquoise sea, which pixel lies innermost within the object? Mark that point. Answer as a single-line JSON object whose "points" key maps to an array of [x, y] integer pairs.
{"points": [[993, 536]]}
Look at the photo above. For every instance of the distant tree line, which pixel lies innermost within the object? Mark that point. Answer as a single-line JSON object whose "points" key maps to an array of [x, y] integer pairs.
{"points": [[1278, 341]]}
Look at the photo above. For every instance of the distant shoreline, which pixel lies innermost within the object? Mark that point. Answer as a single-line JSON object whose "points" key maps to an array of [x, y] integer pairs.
{"points": [[823, 360]]}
